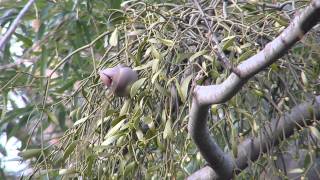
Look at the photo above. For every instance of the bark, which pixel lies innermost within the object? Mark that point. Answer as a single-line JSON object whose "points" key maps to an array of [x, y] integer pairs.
{"points": [[204, 96], [251, 149]]}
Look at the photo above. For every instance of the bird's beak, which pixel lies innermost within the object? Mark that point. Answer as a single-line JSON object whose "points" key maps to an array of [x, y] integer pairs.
{"points": [[106, 79]]}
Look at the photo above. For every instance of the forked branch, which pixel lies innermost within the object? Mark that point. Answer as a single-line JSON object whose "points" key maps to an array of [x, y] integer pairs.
{"points": [[204, 96]]}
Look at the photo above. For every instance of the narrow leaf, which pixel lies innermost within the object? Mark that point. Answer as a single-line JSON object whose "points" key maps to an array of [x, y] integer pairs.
{"points": [[69, 149], [167, 133], [245, 55], [315, 132], [296, 171], [184, 88], [154, 77], [125, 107], [109, 140], [144, 66], [114, 38], [115, 128], [53, 118], [304, 78], [166, 42], [228, 42], [135, 86], [67, 171], [80, 121], [197, 54], [29, 153]]}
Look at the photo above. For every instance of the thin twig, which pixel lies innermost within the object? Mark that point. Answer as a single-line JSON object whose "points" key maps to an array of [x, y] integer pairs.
{"points": [[224, 9], [78, 50], [17, 63], [221, 56], [276, 6]]}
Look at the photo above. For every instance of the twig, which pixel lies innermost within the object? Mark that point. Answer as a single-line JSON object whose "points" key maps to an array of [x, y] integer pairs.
{"points": [[15, 24], [224, 9], [17, 63], [221, 56], [78, 50], [277, 6]]}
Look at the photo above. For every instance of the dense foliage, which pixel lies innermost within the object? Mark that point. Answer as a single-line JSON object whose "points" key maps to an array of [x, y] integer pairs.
{"points": [[69, 124]]}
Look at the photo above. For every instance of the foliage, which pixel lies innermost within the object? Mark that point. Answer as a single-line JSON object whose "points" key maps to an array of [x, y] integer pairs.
{"points": [[70, 125]]}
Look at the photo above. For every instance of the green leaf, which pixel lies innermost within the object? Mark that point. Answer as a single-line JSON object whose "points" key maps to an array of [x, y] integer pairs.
{"points": [[307, 160], [197, 54], [52, 117], [135, 33], [139, 134], [125, 107], [115, 129], [26, 41], [155, 65], [153, 41], [258, 93], [144, 66], [178, 89], [162, 90], [110, 139], [296, 171], [246, 55], [106, 41], [154, 77], [102, 121], [184, 88], [304, 78], [80, 121], [182, 56], [275, 67], [68, 171], [281, 20], [210, 58], [117, 120], [130, 168], [166, 42], [228, 42], [140, 52], [234, 144], [167, 133], [113, 41], [42, 173], [69, 149], [315, 132], [135, 87], [4, 105], [155, 53], [30, 153]]}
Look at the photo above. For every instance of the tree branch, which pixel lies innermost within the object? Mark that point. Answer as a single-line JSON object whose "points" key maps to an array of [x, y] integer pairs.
{"points": [[15, 24], [204, 96], [250, 149]]}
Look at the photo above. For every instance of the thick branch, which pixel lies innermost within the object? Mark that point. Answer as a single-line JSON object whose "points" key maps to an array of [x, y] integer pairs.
{"points": [[250, 149], [301, 24], [204, 96], [300, 116]]}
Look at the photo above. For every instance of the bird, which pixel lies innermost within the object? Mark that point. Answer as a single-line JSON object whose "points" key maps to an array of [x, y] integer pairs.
{"points": [[118, 79]]}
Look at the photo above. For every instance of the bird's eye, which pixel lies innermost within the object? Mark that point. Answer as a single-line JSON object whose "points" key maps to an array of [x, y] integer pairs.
{"points": [[109, 80], [106, 79]]}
